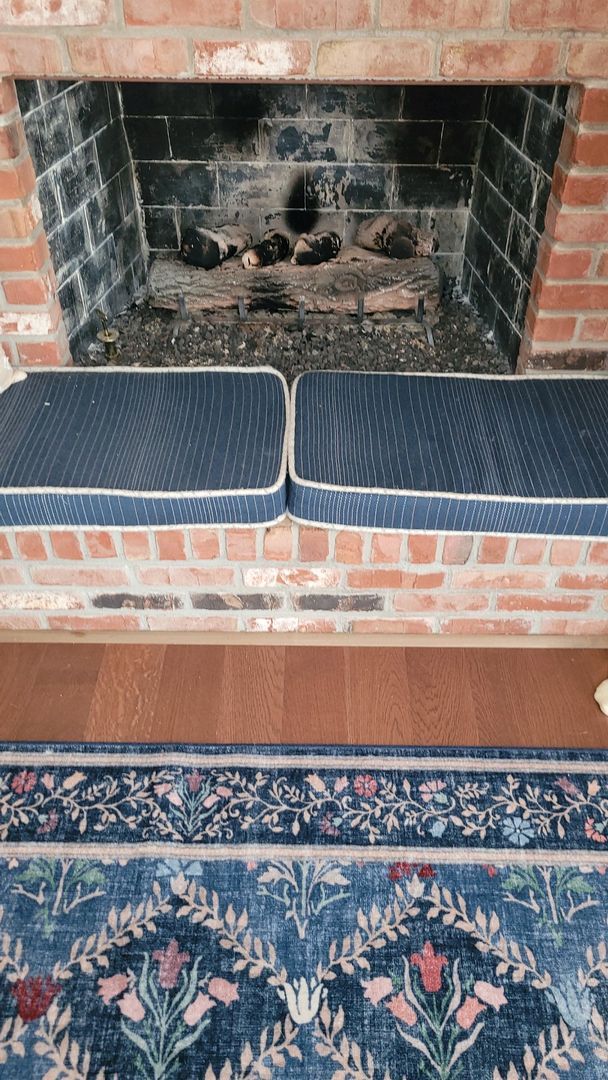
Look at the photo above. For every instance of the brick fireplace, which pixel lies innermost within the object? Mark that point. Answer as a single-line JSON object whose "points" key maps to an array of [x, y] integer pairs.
{"points": [[534, 76], [340, 41]]}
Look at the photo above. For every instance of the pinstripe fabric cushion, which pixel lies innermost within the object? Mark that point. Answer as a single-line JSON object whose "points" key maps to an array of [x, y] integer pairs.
{"points": [[462, 453], [130, 447]]}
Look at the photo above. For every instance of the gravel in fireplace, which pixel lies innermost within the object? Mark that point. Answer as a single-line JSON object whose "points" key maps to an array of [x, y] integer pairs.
{"points": [[150, 337]]}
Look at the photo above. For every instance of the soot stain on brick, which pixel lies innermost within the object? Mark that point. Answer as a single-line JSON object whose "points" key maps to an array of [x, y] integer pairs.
{"points": [[298, 143], [236, 601], [572, 360], [328, 602], [509, 199], [258, 100], [78, 143], [217, 139], [151, 602], [301, 218], [366, 187], [400, 142]]}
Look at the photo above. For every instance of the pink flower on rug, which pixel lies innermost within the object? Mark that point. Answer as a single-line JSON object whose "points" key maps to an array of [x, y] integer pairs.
{"points": [[468, 1012], [430, 964], [23, 782], [224, 991], [112, 987], [340, 784], [430, 788], [194, 781], [400, 1009], [593, 832], [48, 781], [327, 826], [51, 823], [210, 801], [377, 989], [174, 798], [225, 792], [566, 785], [491, 995], [171, 962], [366, 785], [131, 1007], [201, 1004], [161, 789]]}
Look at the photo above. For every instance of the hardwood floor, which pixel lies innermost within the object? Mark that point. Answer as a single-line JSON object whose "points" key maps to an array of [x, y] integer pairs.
{"points": [[198, 693]]}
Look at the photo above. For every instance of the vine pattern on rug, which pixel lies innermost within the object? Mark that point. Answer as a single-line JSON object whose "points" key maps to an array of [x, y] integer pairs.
{"points": [[330, 807]]}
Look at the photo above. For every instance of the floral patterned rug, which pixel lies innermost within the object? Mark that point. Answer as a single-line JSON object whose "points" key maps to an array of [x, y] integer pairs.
{"points": [[301, 912]]}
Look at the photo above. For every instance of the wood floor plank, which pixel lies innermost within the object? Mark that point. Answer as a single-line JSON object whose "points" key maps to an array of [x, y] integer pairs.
{"points": [[441, 704], [489, 682], [190, 693], [18, 670], [59, 703], [125, 695], [588, 725], [378, 696], [252, 704], [553, 704], [315, 696]]}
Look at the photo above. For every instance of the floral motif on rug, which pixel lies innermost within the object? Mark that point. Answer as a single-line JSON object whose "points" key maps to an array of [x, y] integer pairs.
{"points": [[309, 913]]}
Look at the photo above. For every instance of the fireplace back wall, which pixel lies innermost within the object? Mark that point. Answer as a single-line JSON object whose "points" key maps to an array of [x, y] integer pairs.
{"points": [[210, 154]]}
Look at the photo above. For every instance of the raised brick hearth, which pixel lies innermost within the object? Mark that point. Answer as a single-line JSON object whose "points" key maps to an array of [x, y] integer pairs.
{"points": [[290, 577], [296, 578]]}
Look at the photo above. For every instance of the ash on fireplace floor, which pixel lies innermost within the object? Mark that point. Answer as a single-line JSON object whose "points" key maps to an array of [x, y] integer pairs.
{"points": [[150, 337]]}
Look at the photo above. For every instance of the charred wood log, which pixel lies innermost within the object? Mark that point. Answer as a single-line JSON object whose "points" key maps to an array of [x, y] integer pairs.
{"points": [[272, 249], [332, 287], [395, 237], [208, 248], [314, 248]]}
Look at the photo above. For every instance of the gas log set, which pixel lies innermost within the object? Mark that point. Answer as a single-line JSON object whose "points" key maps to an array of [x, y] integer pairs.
{"points": [[387, 269], [387, 234]]}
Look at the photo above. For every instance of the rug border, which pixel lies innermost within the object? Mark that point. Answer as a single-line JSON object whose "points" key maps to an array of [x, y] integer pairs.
{"points": [[304, 750]]}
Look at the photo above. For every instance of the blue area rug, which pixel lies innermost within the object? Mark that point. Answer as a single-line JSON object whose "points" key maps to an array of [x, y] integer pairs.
{"points": [[236, 913]]}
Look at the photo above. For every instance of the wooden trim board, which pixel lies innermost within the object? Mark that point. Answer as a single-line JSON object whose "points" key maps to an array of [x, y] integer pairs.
{"points": [[340, 640]]}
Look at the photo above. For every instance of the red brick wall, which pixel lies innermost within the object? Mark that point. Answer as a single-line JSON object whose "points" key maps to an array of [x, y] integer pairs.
{"points": [[295, 578], [517, 40], [31, 324], [568, 312]]}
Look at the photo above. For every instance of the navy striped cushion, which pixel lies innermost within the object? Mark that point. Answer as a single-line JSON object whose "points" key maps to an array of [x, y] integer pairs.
{"points": [[458, 453], [160, 447]]}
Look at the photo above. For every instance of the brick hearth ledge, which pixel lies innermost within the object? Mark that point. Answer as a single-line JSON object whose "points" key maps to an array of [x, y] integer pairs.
{"points": [[296, 578]]}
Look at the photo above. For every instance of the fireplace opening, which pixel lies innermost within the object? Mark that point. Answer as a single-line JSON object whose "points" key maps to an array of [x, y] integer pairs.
{"points": [[422, 205]]}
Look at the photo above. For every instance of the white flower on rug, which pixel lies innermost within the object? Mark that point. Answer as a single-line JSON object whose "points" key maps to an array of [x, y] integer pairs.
{"points": [[303, 999]]}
